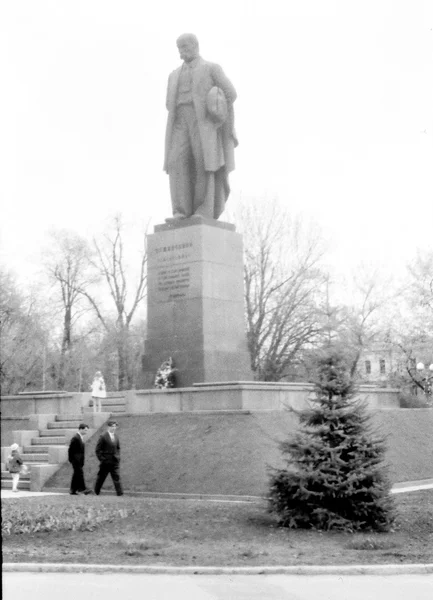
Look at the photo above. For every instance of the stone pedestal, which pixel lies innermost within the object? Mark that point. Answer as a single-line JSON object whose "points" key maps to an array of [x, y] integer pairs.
{"points": [[195, 302]]}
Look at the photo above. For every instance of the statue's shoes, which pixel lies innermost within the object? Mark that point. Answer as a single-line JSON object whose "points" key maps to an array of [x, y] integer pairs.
{"points": [[200, 215], [175, 217]]}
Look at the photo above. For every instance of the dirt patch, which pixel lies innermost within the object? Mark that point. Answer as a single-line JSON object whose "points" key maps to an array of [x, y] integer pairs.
{"points": [[186, 532]]}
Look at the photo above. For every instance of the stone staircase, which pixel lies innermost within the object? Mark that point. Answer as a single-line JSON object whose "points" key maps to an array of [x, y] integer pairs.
{"points": [[46, 449], [114, 403], [6, 482]]}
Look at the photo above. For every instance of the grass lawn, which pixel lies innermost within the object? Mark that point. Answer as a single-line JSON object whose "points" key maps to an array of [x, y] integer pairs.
{"points": [[186, 532], [231, 453]]}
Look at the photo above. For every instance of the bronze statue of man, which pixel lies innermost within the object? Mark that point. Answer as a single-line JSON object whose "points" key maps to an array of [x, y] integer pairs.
{"points": [[200, 137]]}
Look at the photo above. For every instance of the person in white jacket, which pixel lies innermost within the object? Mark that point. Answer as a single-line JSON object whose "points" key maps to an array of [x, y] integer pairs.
{"points": [[98, 391], [15, 465]]}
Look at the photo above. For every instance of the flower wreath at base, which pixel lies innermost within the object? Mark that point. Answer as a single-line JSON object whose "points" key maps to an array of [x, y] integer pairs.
{"points": [[166, 375]]}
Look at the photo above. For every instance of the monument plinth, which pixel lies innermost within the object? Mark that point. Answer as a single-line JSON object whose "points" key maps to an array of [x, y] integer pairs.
{"points": [[195, 302]]}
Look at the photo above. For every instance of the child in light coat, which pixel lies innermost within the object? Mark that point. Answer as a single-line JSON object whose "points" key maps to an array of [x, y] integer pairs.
{"points": [[98, 391], [14, 466]]}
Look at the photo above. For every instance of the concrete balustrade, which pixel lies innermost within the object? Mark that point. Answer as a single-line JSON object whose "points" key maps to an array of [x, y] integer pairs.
{"points": [[43, 404], [253, 396], [247, 395]]}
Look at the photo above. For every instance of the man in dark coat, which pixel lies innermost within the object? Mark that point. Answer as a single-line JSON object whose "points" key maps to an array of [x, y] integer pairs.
{"points": [[108, 453], [76, 458]]}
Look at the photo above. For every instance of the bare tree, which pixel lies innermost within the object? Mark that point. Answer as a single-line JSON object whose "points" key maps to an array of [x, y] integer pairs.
{"points": [[23, 339], [283, 282], [411, 334], [111, 263], [420, 288], [68, 262], [364, 324], [355, 312]]}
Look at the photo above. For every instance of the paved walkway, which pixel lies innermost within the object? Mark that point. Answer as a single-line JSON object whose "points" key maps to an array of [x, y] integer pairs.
{"points": [[48, 586], [398, 488], [412, 486], [25, 494]]}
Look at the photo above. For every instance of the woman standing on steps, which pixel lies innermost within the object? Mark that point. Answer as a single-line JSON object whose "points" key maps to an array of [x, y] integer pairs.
{"points": [[98, 391]]}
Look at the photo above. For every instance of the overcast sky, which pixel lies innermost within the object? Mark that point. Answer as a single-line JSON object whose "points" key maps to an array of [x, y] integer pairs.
{"points": [[334, 115]]}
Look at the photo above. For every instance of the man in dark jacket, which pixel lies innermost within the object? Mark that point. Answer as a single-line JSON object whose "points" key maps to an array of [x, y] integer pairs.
{"points": [[76, 458], [108, 453]]}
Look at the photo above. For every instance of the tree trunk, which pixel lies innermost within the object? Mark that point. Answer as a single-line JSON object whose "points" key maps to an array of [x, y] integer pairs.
{"points": [[122, 357], [66, 347]]}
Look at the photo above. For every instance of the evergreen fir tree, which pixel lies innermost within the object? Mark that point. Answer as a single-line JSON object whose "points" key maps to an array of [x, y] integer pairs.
{"points": [[335, 476]]}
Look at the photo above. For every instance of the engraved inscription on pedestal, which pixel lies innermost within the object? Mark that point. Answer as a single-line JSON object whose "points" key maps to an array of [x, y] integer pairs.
{"points": [[195, 304], [174, 281], [172, 271], [172, 252]]}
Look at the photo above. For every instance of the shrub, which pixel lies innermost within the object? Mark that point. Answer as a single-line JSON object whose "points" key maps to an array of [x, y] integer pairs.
{"points": [[39, 517], [335, 477], [411, 401]]}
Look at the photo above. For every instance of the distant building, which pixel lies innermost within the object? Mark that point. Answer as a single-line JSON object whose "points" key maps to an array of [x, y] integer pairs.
{"points": [[385, 364], [377, 364]]}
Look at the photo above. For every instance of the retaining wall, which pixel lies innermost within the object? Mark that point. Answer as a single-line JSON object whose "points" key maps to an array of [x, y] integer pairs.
{"points": [[254, 396], [40, 403]]}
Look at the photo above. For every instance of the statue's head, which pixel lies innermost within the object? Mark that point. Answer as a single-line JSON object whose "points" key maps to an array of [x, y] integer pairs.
{"points": [[187, 44]]}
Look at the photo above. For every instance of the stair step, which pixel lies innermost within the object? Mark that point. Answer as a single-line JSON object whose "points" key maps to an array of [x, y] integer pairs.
{"points": [[51, 441], [22, 485], [53, 433], [63, 425], [34, 457], [114, 402], [35, 449], [5, 475], [75, 418]]}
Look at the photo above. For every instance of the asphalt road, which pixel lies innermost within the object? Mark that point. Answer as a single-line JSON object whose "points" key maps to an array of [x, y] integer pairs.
{"points": [[112, 586]]}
